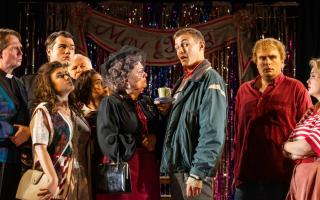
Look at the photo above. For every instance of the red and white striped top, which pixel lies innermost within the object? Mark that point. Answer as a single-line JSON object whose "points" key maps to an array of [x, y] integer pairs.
{"points": [[308, 128]]}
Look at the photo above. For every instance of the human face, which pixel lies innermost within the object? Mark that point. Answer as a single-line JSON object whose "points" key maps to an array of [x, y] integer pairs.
{"points": [[78, 65], [97, 87], [314, 83], [190, 51], [61, 81], [11, 56], [269, 63], [62, 50], [137, 78]]}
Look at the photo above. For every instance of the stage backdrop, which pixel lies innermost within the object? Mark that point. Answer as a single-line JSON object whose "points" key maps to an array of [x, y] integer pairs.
{"points": [[111, 34], [249, 21]]}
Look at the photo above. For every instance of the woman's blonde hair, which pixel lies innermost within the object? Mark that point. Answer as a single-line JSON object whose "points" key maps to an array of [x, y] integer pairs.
{"points": [[315, 62]]}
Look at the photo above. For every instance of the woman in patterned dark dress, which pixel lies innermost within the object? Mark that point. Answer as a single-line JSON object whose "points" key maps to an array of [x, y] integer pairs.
{"points": [[128, 122], [55, 133]]}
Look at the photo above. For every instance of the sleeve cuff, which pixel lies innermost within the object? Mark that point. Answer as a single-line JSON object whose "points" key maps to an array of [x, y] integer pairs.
{"points": [[194, 171], [6, 130]]}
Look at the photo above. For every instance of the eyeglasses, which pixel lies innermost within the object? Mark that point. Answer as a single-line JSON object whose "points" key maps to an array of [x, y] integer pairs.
{"points": [[141, 73]]}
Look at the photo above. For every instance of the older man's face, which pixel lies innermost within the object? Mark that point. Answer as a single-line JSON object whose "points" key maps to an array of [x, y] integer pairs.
{"points": [[78, 65], [11, 56]]}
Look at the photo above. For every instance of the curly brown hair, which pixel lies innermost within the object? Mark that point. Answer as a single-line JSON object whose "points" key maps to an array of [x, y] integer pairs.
{"points": [[45, 92]]}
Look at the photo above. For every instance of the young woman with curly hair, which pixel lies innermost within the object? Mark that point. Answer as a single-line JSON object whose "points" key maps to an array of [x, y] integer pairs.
{"points": [[55, 133]]}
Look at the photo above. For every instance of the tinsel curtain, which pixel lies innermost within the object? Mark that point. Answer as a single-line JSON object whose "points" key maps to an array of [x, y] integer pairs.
{"points": [[38, 20]]}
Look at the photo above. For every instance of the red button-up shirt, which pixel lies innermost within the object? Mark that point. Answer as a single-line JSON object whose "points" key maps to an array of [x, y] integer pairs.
{"points": [[263, 122]]}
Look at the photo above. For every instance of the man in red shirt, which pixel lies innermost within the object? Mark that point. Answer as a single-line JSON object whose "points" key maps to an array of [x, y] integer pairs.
{"points": [[267, 110]]}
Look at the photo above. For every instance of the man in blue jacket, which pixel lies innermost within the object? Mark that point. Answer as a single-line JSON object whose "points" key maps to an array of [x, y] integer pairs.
{"points": [[196, 124]]}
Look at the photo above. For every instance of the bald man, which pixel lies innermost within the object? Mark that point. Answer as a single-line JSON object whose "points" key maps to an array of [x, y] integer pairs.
{"points": [[79, 64]]}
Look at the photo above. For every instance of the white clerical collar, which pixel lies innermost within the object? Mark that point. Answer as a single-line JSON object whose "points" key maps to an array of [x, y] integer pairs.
{"points": [[9, 76]]}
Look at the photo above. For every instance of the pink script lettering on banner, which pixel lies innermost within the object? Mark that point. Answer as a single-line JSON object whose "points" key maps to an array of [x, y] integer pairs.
{"points": [[111, 34]]}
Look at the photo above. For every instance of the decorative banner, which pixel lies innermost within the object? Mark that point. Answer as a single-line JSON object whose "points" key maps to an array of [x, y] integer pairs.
{"points": [[111, 34]]}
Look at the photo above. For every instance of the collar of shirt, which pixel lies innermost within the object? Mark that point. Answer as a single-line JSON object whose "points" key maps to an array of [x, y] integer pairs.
{"points": [[188, 73], [4, 74], [275, 81], [126, 97]]}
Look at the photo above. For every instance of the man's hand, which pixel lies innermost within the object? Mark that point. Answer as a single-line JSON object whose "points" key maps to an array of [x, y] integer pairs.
{"points": [[21, 136], [163, 108], [194, 187], [149, 142]]}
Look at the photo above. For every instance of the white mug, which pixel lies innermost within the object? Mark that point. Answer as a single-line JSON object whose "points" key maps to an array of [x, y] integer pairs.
{"points": [[164, 92]]}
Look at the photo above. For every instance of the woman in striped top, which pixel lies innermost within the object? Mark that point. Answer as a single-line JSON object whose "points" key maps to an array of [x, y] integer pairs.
{"points": [[303, 145]]}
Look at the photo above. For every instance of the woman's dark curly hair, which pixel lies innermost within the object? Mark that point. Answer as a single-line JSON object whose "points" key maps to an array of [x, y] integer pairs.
{"points": [[83, 86], [45, 92], [120, 64]]}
